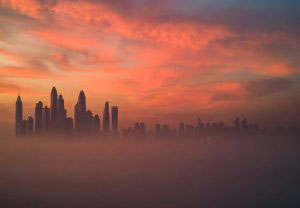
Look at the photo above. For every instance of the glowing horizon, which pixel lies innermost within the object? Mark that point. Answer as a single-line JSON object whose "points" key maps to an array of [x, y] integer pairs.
{"points": [[159, 61]]}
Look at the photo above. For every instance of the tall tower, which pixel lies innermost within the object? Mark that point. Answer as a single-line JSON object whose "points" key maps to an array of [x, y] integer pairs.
{"points": [[106, 126], [38, 117], [114, 118], [181, 129], [46, 118], [82, 102], [61, 112], [80, 113], [19, 115], [30, 125], [76, 117], [53, 107], [97, 124]]}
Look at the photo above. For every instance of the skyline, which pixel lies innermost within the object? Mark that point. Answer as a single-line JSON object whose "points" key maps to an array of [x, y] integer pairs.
{"points": [[83, 122], [159, 60]]}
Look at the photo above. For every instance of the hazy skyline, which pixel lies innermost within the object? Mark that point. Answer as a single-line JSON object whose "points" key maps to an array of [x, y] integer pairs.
{"points": [[160, 61]]}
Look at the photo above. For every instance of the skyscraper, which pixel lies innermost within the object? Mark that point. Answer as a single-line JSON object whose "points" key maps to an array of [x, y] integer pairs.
{"points": [[53, 108], [76, 117], [237, 125], [46, 119], [38, 117], [114, 118], [97, 124], [106, 120], [19, 115], [30, 125], [181, 130], [61, 113], [80, 113]]}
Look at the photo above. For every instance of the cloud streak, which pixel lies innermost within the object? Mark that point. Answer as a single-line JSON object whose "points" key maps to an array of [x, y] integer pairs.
{"points": [[153, 54]]}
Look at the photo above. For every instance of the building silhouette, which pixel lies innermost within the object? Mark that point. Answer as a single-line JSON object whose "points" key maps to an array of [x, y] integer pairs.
{"points": [[61, 114], [29, 124], [55, 120], [181, 130], [237, 126], [80, 113], [19, 115], [106, 120], [114, 119], [53, 114], [97, 125], [38, 117], [46, 119]]}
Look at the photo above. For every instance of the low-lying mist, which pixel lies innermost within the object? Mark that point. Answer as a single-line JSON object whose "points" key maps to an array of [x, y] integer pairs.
{"points": [[56, 172]]}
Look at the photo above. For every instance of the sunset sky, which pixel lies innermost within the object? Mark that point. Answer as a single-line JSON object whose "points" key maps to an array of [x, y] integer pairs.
{"points": [[159, 61]]}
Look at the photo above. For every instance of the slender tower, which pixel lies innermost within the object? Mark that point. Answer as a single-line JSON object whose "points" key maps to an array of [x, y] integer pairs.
{"points": [[61, 112], [80, 113], [19, 115], [38, 117], [46, 118], [53, 108], [106, 126], [114, 119]]}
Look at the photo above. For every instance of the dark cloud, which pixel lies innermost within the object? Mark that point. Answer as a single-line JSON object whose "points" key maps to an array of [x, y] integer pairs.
{"points": [[266, 86], [224, 96]]}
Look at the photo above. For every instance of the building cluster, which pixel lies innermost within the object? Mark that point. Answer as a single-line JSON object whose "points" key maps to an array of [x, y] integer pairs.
{"points": [[55, 120]]}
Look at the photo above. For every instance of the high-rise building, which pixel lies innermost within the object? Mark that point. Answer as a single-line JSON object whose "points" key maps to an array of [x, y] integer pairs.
{"points": [[80, 113], [158, 130], [89, 123], [181, 130], [82, 102], [244, 125], [19, 115], [38, 117], [30, 125], [114, 118], [106, 120], [97, 124], [53, 108], [46, 119], [237, 125], [61, 117], [76, 117], [142, 129]]}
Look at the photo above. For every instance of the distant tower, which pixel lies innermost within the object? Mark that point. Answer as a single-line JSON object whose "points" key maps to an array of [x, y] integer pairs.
{"points": [[80, 113], [181, 129], [61, 113], [76, 117], [82, 102], [53, 108], [46, 119], [89, 122], [97, 124], [244, 125], [142, 129], [114, 118], [19, 115], [30, 125], [237, 125], [106, 126], [157, 130], [38, 117]]}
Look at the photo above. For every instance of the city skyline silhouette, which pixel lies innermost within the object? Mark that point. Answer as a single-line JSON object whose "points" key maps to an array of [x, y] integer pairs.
{"points": [[85, 123]]}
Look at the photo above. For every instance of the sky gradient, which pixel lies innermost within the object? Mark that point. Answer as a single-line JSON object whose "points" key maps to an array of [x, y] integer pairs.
{"points": [[159, 61]]}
